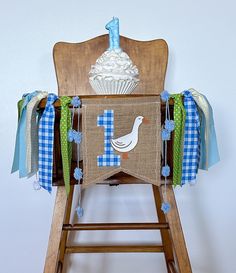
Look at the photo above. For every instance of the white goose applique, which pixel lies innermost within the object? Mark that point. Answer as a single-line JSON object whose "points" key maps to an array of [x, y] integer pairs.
{"points": [[126, 143]]}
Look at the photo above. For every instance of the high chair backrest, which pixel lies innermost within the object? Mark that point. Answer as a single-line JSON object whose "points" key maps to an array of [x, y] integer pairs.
{"points": [[73, 62]]}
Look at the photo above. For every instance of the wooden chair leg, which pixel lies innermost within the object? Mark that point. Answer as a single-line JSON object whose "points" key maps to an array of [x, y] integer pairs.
{"points": [[176, 232], [65, 232], [56, 231], [165, 236]]}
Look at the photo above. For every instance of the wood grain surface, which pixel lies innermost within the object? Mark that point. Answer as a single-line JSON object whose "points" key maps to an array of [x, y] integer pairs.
{"points": [[73, 62]]}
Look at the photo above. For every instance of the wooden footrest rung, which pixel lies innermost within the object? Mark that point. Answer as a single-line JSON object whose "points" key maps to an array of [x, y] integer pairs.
{"points": [[115, 226], [113, 248]]}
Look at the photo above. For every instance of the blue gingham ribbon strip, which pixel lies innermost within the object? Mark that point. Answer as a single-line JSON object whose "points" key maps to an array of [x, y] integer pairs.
{"points": [[191, 146], [46, 138]]}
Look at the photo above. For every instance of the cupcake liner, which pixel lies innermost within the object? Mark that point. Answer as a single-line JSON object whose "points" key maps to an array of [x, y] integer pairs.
{"points": [[105, 87]]}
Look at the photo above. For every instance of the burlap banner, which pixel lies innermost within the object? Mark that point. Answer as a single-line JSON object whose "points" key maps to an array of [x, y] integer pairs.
{"points": [[121, 135]]}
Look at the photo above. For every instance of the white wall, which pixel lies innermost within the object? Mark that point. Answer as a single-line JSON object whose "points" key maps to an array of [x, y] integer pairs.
{"points": [[202, 42]]}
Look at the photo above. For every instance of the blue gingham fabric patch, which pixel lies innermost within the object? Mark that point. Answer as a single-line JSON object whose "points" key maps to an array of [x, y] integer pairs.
{"points": [[191, 145], [109, 158], [46, 139]]}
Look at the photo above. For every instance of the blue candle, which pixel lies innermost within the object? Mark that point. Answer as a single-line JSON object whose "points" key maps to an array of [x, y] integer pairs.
{"points": [[114, 37]]}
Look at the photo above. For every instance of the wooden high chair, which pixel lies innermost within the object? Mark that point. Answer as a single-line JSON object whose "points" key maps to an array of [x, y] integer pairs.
{"points": [[72, 64]]}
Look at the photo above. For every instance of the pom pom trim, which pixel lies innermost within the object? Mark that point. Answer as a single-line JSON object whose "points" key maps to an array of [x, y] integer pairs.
{"points": [[75, 102]]}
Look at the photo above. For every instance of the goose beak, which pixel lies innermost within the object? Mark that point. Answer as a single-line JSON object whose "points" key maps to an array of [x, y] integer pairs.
{"points": [[146, 121]]}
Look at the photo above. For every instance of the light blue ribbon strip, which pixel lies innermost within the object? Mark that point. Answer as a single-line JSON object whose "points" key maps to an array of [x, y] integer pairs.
{"points": [[209, 148], [19, 161]]}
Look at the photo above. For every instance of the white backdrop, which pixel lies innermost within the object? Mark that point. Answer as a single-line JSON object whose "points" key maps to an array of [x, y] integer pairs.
{"points": [[202, 43]]}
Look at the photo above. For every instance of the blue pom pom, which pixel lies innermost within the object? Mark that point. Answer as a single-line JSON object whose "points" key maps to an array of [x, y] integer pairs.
{"points": [[70, 135], [75, 101], [169, 125], [77, 137], [165, 207], [165, 171], [79, 211], [165, 96], [78, 173], [165, 134]]}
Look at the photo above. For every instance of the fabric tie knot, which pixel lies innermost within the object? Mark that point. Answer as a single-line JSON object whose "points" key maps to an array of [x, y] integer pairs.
{"points": [[51, 99], [65, 101], [28, 96], [187, 94]]}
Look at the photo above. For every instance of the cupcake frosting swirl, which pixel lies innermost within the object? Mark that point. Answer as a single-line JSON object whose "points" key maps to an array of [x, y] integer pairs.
{"points": [[114, 65]]}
